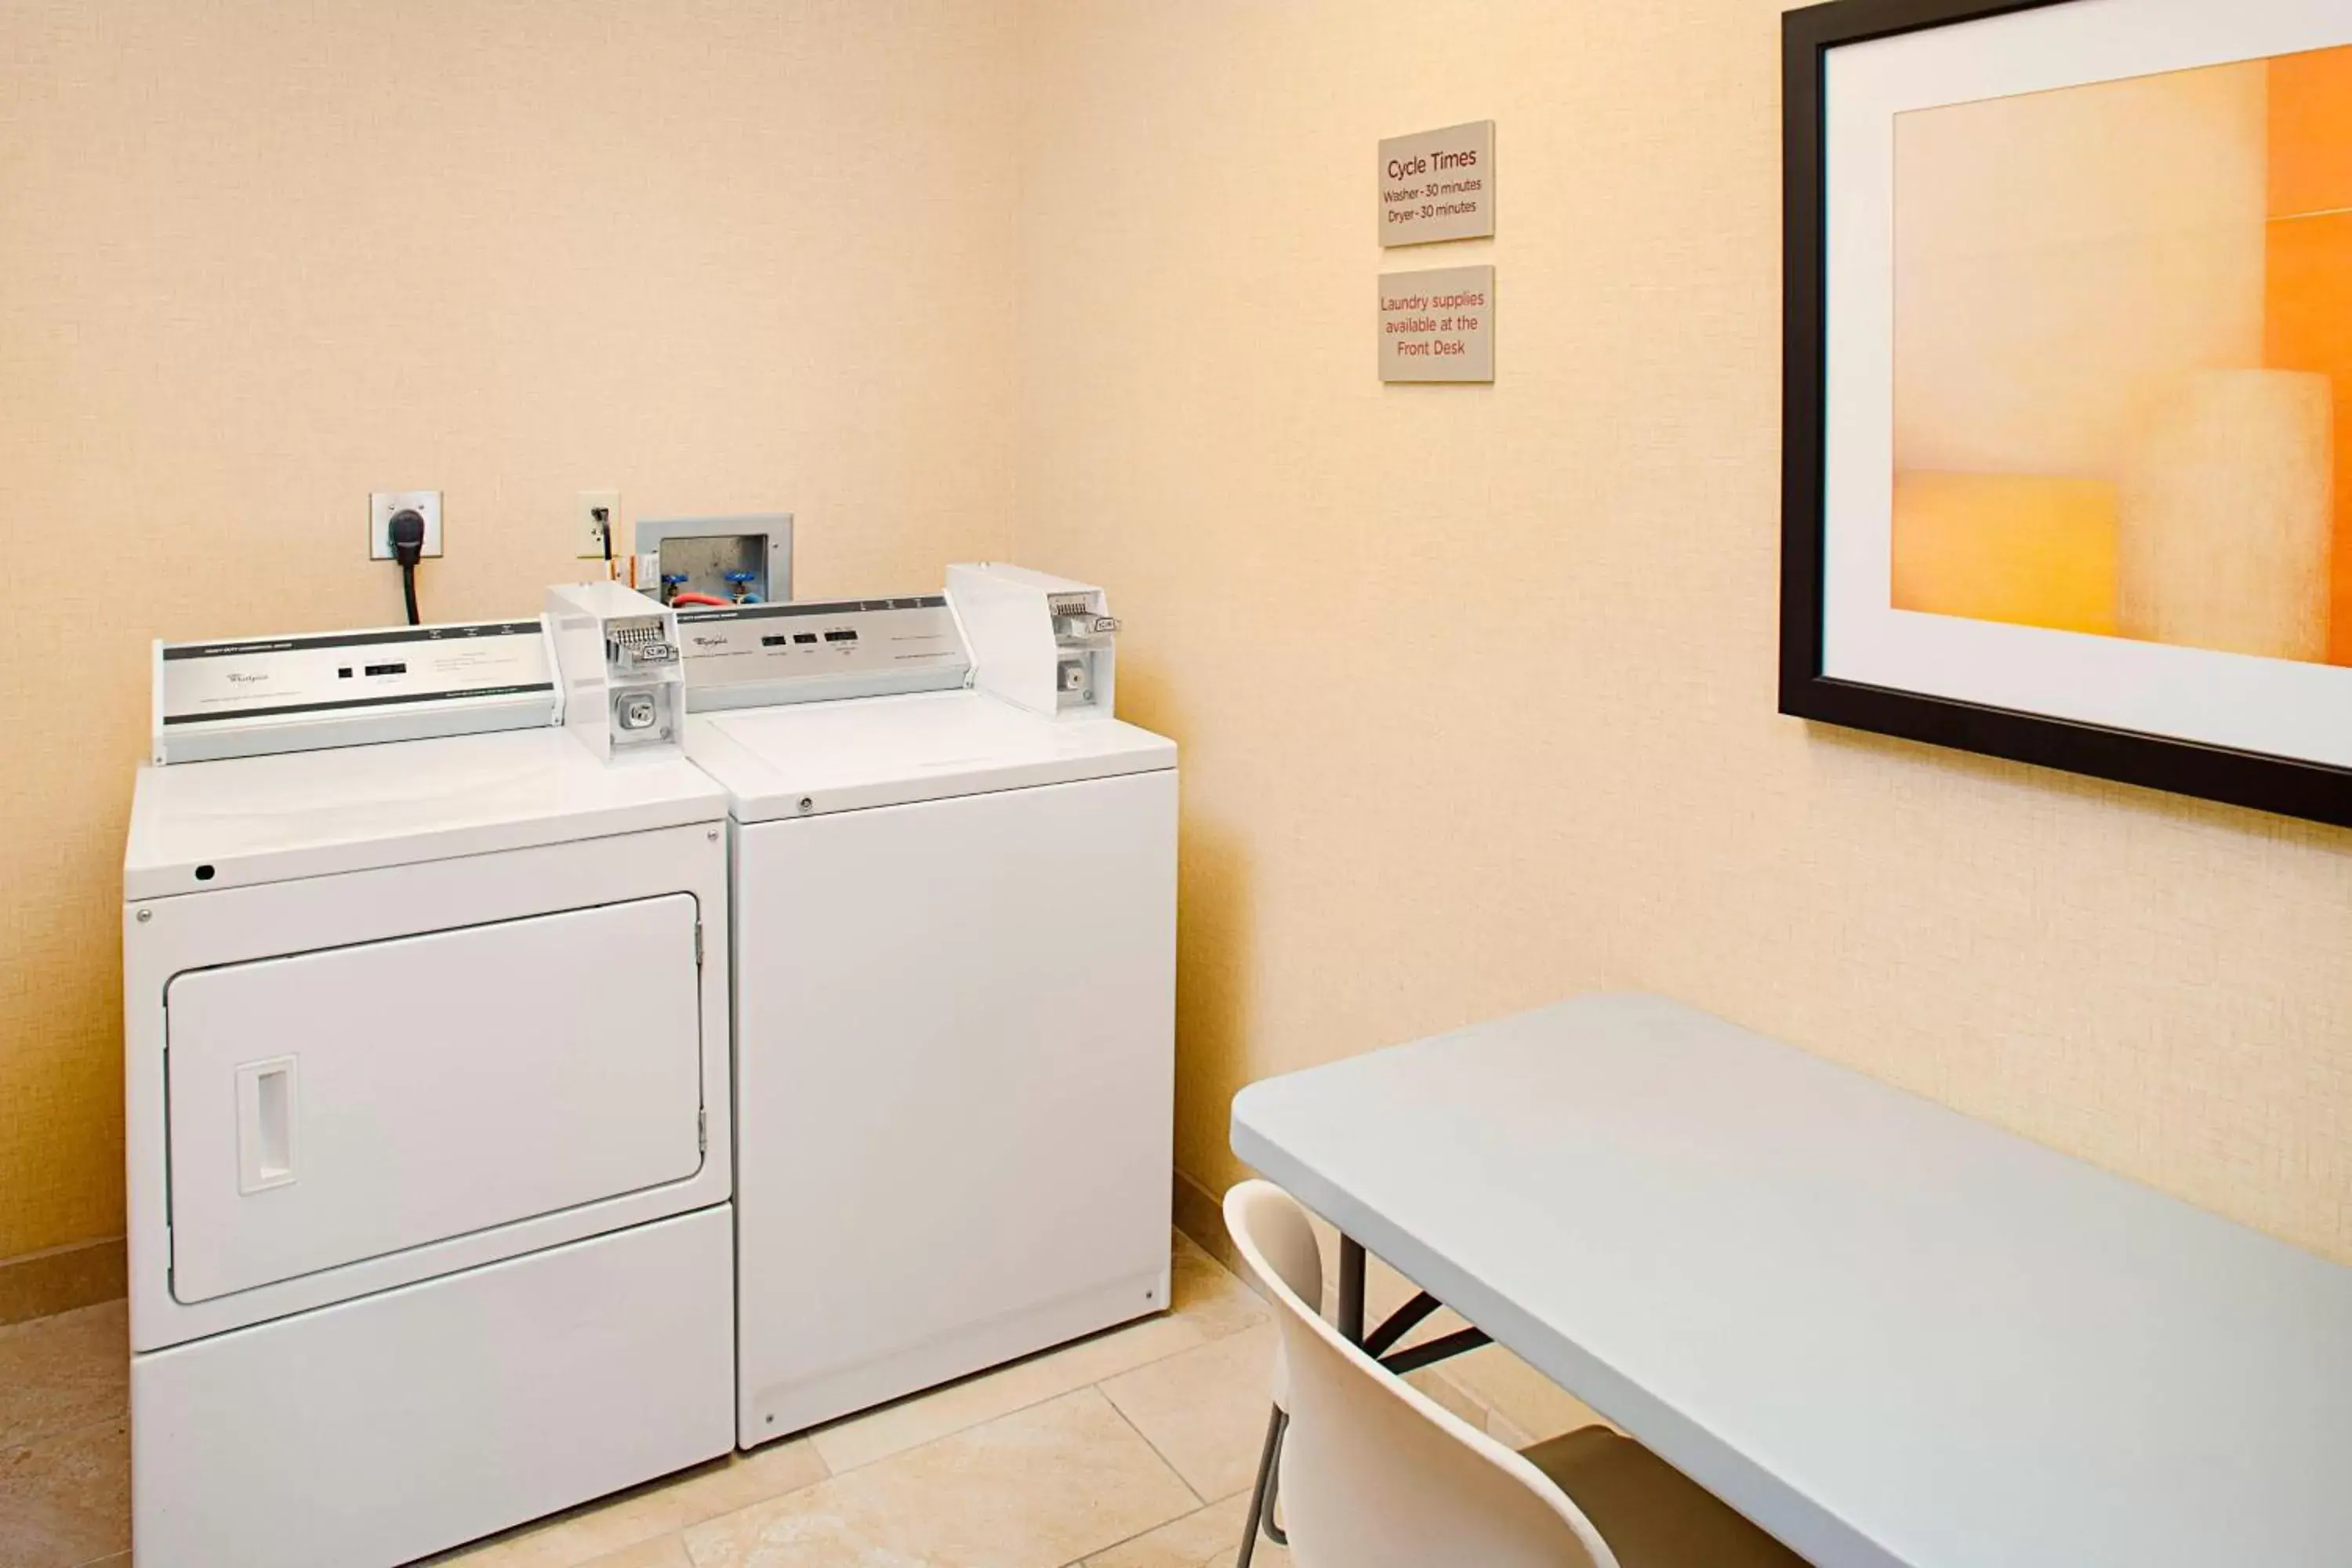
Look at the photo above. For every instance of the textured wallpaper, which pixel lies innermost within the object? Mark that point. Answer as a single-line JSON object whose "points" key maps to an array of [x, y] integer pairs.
{"points": [[1475, 685], [728, 257]]}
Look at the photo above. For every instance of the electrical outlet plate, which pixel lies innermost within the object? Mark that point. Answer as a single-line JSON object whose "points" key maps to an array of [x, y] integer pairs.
{"points": [[382, 504], [590, 534]]}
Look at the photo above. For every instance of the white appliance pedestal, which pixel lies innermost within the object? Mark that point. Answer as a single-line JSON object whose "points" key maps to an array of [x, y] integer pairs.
{"points": [[495, 1395]]}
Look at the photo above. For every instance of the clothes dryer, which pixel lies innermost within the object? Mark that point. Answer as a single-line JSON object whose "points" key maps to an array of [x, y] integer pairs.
{"points": [[426, 1077]]}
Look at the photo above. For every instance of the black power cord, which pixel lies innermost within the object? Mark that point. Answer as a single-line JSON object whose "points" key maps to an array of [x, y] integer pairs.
{"points": [[407, 530]]}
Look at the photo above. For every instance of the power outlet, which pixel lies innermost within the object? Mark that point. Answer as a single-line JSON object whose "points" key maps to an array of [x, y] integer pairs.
{"points": [[382, 504], [597, 519]]}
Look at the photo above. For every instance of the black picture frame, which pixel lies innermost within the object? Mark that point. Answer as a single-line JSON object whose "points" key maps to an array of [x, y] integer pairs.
{"points": [[2289, 786]]}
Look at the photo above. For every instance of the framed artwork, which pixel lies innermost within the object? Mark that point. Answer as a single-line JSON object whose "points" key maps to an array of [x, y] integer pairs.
{"points": [[2068, 400]]}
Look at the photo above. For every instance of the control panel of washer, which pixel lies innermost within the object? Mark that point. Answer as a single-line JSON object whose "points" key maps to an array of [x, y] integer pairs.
{"points": [[755, 655]]}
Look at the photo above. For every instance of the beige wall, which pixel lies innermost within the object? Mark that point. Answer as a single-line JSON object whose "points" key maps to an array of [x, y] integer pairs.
{"points": [[1475, 684], [258, 259]]}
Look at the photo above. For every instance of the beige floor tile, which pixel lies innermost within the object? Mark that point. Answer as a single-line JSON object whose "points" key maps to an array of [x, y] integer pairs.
{"points": [[894, 1428], [1041, 1486], [1205, 1410], [1519, 1394], [1207, 1294], [662, 1551], [64, 1460], [1507, 1432], [756, 1477], [64, 1372], [1269, 1555], [1449, 1394], [66, 1499], [1209, 1538], [664, 1508]]}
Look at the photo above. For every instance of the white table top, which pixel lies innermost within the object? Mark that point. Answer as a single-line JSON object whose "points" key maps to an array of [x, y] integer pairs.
{"points": [[1893, 1336]]}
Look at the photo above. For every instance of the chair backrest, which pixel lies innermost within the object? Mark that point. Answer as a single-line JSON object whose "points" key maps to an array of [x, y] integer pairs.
{"points": [[1374, 1473]]}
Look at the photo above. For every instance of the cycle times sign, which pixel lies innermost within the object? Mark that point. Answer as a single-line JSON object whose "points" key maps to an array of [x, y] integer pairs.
{"points": [[1438, 185]]}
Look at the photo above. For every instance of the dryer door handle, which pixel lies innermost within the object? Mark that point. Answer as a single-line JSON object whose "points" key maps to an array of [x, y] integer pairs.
{"points": [[266, 1106]]}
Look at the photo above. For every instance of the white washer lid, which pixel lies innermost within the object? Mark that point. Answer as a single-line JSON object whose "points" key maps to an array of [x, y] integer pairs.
{"points": [[888, 750], [311, 814]]}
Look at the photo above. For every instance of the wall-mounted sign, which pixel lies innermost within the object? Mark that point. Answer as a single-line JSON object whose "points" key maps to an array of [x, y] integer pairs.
{"points": [[1439, 184], [1438, 325]]}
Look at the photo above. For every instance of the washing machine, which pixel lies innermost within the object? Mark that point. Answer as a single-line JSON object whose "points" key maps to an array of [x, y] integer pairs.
{"points": [[954, 878], [426, 1074]]}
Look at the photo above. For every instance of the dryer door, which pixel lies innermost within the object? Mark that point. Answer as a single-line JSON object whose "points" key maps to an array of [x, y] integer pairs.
{"points": [[337, 1105]]}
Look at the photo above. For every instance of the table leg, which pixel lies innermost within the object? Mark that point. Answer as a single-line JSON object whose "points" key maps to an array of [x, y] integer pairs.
{"points": [[1351, 1322]]}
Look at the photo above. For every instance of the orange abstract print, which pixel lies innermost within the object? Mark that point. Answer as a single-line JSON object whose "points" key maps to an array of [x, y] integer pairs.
{"points": [[2308, 289], [2123, 359]]}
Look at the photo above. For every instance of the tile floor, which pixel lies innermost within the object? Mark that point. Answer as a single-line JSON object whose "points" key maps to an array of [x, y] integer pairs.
{"points": [[1133, 1450], [64, 1439]]}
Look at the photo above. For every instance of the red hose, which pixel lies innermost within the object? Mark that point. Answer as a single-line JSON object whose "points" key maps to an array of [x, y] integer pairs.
{"points": [[676, 599]]}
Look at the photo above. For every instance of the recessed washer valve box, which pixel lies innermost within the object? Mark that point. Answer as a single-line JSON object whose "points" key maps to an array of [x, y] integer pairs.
{"points": [[616, 657], [705, 561]]}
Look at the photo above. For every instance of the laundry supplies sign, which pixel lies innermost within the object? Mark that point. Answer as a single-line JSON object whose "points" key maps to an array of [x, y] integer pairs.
{"points": [[1438, 325], [1439, 184]]}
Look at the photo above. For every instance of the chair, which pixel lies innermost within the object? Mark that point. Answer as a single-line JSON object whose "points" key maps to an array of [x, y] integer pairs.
{"points": [[1376, 1475], [1300, 1261]]}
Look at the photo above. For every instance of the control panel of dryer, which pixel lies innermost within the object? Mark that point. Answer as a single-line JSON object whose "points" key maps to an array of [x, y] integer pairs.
{"points": [[617, 654], [758, 655], [260, 696]]}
